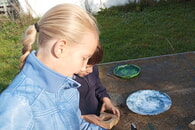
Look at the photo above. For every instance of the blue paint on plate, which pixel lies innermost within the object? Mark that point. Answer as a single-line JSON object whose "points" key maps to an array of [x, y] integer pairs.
{"points": [[148, 102]]}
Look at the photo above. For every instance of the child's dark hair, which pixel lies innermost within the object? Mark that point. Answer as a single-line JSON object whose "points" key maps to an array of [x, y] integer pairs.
{"points": [[97, 56]]}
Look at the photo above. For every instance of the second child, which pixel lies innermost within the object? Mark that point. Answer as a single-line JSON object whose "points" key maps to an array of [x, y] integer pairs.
{"points": [[94, 98]]}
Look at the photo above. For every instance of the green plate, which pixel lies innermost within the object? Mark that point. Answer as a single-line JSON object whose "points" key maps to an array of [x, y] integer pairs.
{"points": [[126, 71]]}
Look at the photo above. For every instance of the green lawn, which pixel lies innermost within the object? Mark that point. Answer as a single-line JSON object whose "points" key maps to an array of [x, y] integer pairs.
{"points": [[158, 30], [127, 32]]}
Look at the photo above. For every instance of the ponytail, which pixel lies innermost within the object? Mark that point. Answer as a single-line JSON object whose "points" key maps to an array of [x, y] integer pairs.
{"points": [[28, 41]]}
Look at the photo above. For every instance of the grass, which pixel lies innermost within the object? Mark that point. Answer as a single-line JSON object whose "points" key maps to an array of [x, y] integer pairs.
{"points": [[158, 30], [10, 47], [127, 32]]}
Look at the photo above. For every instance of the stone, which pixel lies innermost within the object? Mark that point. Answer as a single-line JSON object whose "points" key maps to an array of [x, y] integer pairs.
{"points": [[192, 125], [109, 120]]}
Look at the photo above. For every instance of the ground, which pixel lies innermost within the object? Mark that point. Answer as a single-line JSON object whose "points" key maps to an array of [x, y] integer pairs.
{"points": [[172, 74]]}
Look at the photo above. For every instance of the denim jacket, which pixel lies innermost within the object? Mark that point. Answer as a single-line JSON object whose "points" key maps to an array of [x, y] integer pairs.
{"points": [[41, 99]]}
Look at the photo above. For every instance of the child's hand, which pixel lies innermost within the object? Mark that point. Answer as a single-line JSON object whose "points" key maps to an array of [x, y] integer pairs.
{"points": [[107, 105], [92, 119]]}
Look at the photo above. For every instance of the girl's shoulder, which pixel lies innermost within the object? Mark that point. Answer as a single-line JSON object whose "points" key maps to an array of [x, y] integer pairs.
{"points": [[22, 88]]}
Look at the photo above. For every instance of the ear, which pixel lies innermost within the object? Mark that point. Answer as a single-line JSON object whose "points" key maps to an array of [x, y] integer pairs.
{"points": [[59, 48]]}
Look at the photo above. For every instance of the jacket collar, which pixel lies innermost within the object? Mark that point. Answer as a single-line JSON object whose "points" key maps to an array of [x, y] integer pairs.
{"points": [[45, 77]]}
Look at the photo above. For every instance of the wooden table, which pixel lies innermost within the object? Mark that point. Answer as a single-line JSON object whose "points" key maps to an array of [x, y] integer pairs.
{"points": [[171, 74]]}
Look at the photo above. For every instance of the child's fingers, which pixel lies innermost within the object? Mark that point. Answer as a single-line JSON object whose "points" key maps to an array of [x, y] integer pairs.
{"points": [[116, 112], [98, 118]]}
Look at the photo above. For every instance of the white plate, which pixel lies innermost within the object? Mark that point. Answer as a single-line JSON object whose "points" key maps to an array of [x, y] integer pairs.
{"points": [[148, 102]]}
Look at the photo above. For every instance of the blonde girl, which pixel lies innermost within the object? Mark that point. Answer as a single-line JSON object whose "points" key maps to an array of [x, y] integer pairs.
{"points": [[43, 95]]}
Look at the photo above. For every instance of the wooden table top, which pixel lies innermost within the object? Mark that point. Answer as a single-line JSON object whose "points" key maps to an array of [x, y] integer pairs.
{"points": [[172, 74]]}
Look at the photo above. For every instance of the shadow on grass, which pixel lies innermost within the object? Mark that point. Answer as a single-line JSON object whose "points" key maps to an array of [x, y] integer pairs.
{"points": [[3, 87]]}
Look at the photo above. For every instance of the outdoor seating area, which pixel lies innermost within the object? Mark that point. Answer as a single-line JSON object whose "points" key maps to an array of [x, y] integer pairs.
{"points": [[171, 74]]}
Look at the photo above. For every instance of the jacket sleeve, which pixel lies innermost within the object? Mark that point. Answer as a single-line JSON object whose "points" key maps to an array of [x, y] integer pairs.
{"points": [[15, 113], [100, 89]]}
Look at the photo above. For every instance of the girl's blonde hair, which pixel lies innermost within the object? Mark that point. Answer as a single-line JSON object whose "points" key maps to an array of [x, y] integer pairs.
{"points": [[62, 21]]}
